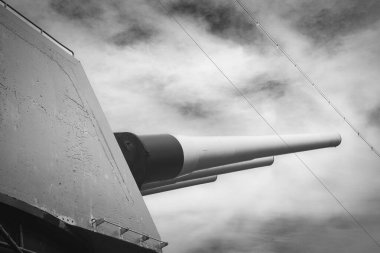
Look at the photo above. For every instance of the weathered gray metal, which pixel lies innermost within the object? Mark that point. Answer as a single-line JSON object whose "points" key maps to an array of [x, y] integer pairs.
{"points": [[57, 151], [179, 185]]}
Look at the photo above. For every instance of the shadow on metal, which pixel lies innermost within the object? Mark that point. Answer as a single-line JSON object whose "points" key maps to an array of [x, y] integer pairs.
{"points": [[34, 230]]}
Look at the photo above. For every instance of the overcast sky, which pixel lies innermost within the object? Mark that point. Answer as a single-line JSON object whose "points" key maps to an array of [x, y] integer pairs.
{"points": [[150, 77]]}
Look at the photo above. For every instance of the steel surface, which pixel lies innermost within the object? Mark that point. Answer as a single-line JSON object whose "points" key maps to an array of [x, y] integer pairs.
{"points": [[57, 151]]}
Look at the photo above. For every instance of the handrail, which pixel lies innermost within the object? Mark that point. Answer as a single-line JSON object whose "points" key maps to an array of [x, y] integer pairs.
{"points": [[122, 230], [7, 6]]}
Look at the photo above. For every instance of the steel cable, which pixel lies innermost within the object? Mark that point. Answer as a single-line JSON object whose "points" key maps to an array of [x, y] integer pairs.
{"points": [[238, 91], [308, 79]]}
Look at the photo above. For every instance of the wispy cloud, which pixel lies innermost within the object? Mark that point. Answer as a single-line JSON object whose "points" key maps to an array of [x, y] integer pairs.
{"points": [[196, 110], [221, 18], [132, 34], [326, 24], [150, 78], [374, 117], [115, 22], [83, 11], [285, 234], [265, 86]]}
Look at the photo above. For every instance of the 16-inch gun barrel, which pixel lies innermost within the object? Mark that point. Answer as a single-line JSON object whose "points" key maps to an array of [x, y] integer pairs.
{"points": [[153, 158]]}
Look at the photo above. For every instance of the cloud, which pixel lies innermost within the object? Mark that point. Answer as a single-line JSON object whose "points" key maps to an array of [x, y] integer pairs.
{"points": [[267, 87], [132, 34], [164, 84], [285, 234], [222, 19], [117, 23], [327, 24], [194, 110], [274, 88], [374, 117], [129, 16], [84, 11], [175, 96]]}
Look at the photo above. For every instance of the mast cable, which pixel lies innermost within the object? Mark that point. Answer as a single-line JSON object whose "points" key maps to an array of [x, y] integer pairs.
{"points": [[306, 76], [356, 221]]}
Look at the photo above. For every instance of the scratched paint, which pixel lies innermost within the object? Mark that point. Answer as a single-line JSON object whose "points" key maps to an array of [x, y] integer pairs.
{"points": [[57, 150]]}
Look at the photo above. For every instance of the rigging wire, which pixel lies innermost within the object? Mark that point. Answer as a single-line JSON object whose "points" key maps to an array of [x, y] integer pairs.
{"points": [[238, 91], [307, 77]]}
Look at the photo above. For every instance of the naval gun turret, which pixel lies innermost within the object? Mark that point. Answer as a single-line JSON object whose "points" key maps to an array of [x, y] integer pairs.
{"points": [[66, 183], [167, 162]]}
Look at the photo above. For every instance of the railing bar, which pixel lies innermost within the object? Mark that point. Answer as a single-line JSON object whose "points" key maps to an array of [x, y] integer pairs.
{"points": [[134, 231]]}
